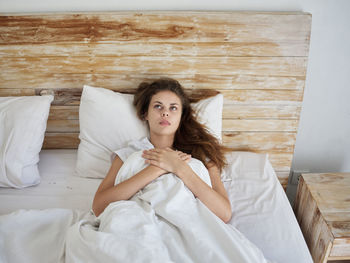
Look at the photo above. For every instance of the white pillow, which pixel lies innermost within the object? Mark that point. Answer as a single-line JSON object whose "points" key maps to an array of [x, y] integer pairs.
{"points": [[23, 124], [108, 121]]}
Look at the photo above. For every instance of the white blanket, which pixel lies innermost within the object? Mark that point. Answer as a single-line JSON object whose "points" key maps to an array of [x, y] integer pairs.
{"points": [[163, 222]]}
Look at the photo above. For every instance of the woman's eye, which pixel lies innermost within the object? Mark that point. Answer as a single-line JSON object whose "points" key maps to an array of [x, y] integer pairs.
{"points": [[157, 106], [173, 108]]}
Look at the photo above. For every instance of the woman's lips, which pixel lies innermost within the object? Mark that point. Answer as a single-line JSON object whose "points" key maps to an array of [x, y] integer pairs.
{"points": [[164, 123]]}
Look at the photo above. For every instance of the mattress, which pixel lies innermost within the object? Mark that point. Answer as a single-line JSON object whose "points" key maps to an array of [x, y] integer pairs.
{"points": [[59, 187], [261, 210]]}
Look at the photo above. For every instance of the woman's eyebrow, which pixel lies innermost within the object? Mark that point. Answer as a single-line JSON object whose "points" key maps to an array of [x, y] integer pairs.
{"points": [[174, 103]]}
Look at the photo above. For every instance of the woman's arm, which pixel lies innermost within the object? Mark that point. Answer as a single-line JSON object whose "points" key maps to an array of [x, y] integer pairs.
{"points": [[107, 192], [214, 198]]}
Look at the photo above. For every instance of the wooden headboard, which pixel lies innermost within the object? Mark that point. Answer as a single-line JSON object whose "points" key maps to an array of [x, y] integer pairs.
{"points": [[256, 59]]}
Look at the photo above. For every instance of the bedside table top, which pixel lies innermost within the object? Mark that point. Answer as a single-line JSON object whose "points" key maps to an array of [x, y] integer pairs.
{"points": [[331, 191]]}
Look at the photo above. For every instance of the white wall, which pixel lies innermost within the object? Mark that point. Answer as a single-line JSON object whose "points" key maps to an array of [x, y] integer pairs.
{"points": [[323, 141]]}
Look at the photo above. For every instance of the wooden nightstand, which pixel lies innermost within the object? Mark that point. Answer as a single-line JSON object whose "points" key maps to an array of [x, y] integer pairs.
{"points": [[322, 207]]}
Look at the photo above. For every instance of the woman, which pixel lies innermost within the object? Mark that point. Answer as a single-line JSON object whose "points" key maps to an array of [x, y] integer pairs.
{"points": [[172, 206], [176, 136]]}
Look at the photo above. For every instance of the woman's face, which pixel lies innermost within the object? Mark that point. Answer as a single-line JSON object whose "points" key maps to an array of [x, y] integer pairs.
{"points": [[164, 113]]}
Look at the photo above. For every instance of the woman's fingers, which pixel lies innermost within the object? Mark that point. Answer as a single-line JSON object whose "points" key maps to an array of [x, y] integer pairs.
{"points": [[183, 156], [186, 158], [150, 155], [167, 159], [158, 154]]}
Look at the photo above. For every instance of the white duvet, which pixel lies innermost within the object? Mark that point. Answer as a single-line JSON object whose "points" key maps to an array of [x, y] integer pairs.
{"points": [[163, 222]]}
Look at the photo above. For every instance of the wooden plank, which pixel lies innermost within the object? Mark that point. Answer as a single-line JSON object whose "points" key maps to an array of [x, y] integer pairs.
{"points": [[16, 92], [262, 96], [279, 142], [62, 126], [61, 141], [153, 26], [230, 125], [280, 161], [157, 49], [276, 66], [52, 80], [253, 111], [64, 113]]}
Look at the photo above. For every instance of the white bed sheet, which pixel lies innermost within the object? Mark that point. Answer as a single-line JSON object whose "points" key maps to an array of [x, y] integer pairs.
{"points": [[59, 187], [261, 210]]}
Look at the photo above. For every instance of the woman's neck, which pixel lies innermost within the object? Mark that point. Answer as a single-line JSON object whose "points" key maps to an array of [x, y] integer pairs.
{"points": [[162, 141]]}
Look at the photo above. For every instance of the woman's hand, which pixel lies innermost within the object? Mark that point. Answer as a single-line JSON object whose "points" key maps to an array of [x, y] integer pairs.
{"points": [[166, 159]]}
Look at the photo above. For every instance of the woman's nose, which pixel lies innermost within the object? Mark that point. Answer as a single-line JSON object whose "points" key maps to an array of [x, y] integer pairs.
{"points": [[165, 114]]}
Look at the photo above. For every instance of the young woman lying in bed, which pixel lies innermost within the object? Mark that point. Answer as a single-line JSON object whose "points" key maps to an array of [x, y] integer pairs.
{"points": [[176, 136], [162, 199]]}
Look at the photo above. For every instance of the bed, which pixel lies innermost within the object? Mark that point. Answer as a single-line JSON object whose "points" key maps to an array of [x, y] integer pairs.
{"points": [[256, 60]]}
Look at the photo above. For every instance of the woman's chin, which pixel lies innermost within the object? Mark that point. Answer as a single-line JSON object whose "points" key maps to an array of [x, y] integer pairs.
{"points": [[164, 132]]}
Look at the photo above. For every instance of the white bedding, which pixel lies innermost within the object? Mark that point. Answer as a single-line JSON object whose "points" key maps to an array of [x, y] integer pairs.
{"points": [[261, 210], [59, 188]]}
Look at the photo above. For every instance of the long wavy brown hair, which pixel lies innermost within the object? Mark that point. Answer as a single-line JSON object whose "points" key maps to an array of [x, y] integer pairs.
{"points": [[191, 137]]}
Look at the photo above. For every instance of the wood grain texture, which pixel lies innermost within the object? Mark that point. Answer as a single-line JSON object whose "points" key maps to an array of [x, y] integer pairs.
{"points": [[159, 49], [149, 65], [322, 208], [50, 80], [257, 60], [64, 140], [184, 26]]}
